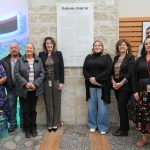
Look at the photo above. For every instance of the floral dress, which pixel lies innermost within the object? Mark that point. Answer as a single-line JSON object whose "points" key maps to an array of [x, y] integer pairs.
{"points": [[142, 114]]}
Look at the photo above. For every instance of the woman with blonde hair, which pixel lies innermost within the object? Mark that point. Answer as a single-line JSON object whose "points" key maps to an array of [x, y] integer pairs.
{"points": [[97, 72]]}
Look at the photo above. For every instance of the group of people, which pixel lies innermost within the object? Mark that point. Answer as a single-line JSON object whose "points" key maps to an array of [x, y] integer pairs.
{"points": [[128, 77], [27, 76]]}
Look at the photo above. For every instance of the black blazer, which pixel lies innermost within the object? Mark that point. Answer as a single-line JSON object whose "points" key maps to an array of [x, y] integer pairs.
{"points": [[58, 64], [126, 68]]}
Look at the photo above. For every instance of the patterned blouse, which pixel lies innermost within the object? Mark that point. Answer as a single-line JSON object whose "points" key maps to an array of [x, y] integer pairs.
{"points": [[2, 89]]}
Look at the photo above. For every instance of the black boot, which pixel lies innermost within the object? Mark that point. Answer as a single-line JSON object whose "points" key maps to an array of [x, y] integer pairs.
{"points": [[34, 132], [27, 133]]}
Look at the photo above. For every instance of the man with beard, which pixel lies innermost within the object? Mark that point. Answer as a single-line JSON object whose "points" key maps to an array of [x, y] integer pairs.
{"points": [[9, 63]]}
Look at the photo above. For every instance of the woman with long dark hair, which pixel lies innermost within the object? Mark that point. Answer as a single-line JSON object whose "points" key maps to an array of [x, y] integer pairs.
{"points": [[141, 90], [53, 82]]}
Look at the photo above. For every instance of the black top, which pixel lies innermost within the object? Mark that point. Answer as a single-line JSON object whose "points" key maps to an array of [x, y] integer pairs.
{"points": [[98, 66], [58, 64], [140, 73]]}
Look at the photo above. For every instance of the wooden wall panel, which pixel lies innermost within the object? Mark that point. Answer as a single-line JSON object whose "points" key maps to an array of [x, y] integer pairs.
{"points": [[131, 29]]}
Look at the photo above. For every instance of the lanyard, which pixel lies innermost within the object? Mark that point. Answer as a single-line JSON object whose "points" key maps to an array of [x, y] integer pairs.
{"points": [[148, 68]]}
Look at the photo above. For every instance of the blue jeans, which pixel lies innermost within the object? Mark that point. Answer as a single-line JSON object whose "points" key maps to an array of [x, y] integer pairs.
{"points": [[97, 111], [12, 106]]}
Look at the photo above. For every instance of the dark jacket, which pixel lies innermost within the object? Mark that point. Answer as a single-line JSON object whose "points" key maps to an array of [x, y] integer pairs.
{"points": [[7, 66], [140, 76], [58, 64], [22, 70], [126, 70], [98, 66]]}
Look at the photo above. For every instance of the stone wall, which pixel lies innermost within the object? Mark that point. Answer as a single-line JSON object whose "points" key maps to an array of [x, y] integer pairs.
{"points": [[42, 23]]}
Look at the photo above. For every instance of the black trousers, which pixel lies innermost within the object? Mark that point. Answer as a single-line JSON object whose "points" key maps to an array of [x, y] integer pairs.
{"points": [[123, 97], [29, 110]]}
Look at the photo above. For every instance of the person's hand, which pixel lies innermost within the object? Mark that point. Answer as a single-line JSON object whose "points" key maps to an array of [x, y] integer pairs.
{"points": [[60, 86], [28, 85], [33, 86], [118, 85], [136, 96], [93, 80], [113, 84]]}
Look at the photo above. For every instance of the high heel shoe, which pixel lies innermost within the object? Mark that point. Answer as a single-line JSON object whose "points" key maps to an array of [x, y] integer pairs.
{"points": [[50, 129], [55, 128]]}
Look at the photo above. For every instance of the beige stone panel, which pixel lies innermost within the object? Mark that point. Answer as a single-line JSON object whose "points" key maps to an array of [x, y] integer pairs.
{"points": [[33, 18], [47, 2], [108, 31], [52, 31], [47, 18], [41, 111], [96, 30], [81, 101], [114, 15], [108, 23], [108, 8], [81, 110], [75, 71], [81, 115], [112, 42], [81, 70], [43, 9], [69, 88], [100, 16], [42, 2], [67, 71], [70, 81], [80, 91], [68, 115], [38, 30], [80, 81], [32, 3], [35, 41], [68, 107]]}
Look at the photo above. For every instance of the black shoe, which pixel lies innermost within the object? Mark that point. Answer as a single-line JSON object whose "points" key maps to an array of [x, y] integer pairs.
{"points": [[50, 130], [55, 129], [120, 133], [12, 128], [118, 130], [34, 132], [27, 133]]}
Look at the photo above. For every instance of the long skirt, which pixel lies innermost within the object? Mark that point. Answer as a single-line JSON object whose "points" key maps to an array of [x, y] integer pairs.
{"points": [[142, 115]]}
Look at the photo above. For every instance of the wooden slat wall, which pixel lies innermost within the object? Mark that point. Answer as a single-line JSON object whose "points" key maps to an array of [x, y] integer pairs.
{"points": [[131, 29]]}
